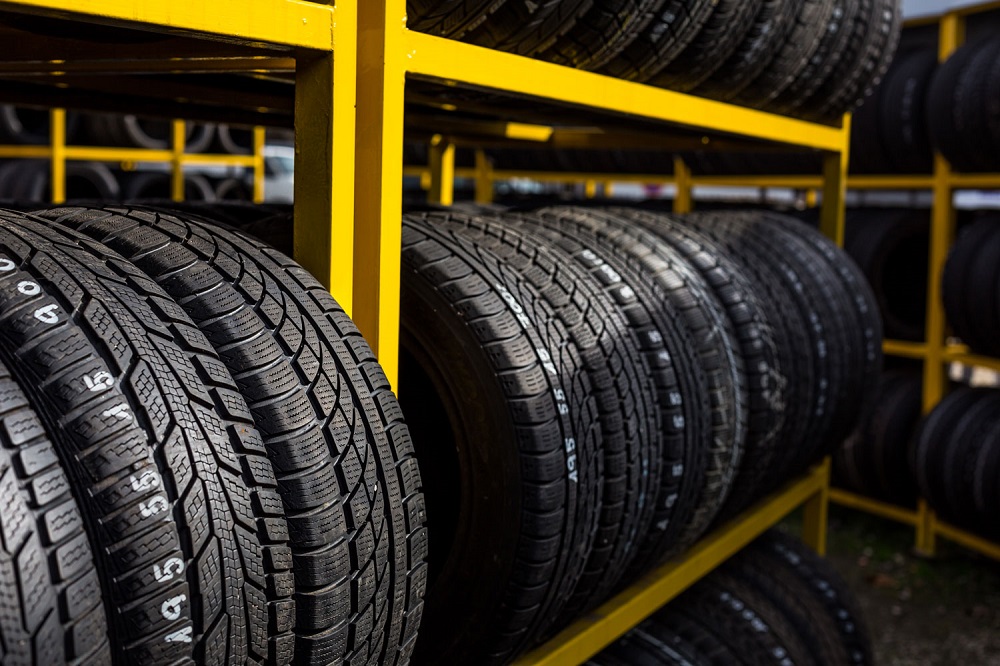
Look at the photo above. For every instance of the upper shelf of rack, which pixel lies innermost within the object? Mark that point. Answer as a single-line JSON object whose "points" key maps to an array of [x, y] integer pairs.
{"points": [[235, 60]]}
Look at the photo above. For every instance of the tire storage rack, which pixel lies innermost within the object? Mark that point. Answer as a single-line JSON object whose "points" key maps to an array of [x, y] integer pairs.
{"points": [[353, 65], [58, 153]]}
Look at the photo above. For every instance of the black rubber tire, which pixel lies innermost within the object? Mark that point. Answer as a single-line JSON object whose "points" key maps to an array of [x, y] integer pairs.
{"points": [[859, 315], [234, 140], [800, 45], [523, 518], [931, 442], [671, 30], [715, 348], [603, 33], [49, 588], [768, 32], [674, 642], [151, 426], [958, 460], [980, 293], [717, 40], [943, 104], [827, 587], [23, 125], [765, 355], [891, 248], [624, 397], [678, 381], [985, 484], [150, 134], [748, 240], [824, 57], [974, 113], [233, 189], [964, 298], [448, 18], [903, 122], [859, 71], [889, 431], [527, 27], [273, 365], [333, 429], [744, 620], [868, 153]]}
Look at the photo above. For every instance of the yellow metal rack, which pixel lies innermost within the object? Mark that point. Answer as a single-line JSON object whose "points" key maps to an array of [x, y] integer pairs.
{"points": [[351, 67], [58, 153]]}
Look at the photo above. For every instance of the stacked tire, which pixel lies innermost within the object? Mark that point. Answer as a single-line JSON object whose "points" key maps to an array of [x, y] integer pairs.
{"points": [[971, 285], [591, 389], [817, 59], [875, 459], [204, 460], [956, 460], [775, 602]]}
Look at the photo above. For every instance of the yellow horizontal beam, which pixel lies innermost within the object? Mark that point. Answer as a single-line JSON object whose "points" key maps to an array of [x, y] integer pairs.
{"points": [[100, 154], [291, 23], [248, 161], [875, 507], [592, 633], [229, 64], [456, 62], [25, 152], [967, 540], [792, 182], [975, 181], [905, 349], [572, 177], [960, 354], [527, 132], [890, 182]]}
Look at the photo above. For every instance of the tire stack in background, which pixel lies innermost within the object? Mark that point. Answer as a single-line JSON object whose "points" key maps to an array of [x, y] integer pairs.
{"points": [[623, 378], [27, 181], [200, 458], [816, 59], [775, 602]]}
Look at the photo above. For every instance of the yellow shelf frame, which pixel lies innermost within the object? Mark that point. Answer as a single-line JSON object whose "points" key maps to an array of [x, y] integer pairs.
{"points": [[592, 633], [936, 353], [58, 154]]}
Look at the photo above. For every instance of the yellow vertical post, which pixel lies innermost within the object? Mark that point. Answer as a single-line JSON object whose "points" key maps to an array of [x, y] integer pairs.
{"points": [[815, 514], [484, 178], [425, 180], [589, 188], [442, 166], [259, 139], [812, 198], [951, 35], [833, 213], [57, 161], [683, 202], [378, 186], [609, 189], [179, 134]]}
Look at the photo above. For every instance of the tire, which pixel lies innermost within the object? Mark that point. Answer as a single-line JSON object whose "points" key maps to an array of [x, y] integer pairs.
{"points": [[765, 355], [827, 54], [48, 581], [332, 431], [868, 153], [959, 458], [943, 103], [28, 126], [601, 34], [893, 424], [30, 180], [748, 242], [767, 34], [448, 18], [964, 298], [670, 31], [233, 189], [744, 620], [527, 27], [678, 381], [677, 641], [875, 37], [152, 427], [891, 249], [624, 396], [715, 348], [903, 124], [827, 587], [981, 293], [799, 48], [987, 470], [533, 509], [234, 140], [718, 39], [148, 134]]}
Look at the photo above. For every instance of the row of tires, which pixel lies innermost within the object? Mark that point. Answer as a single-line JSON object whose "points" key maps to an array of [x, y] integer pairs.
{"points": [[813, 58], [31, 126], [776, 602], [200, 459], [24, 181], [971, 285], [590, 390], [922, 107], [951, 458]]}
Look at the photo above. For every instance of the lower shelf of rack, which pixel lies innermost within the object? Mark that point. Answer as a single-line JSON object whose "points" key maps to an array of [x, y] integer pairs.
{"points": [[914, 517], [595, 631]]}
